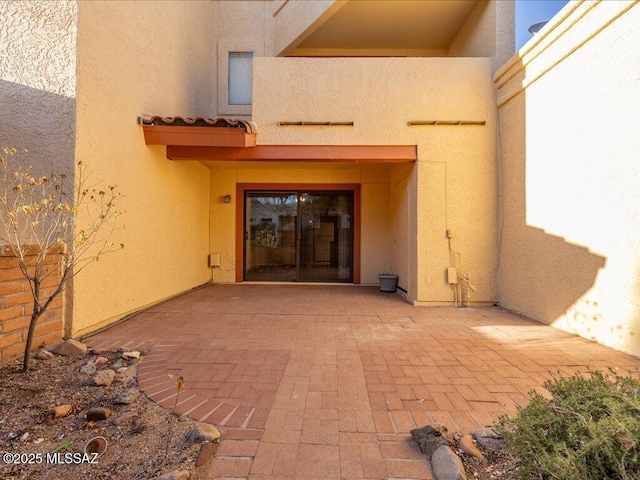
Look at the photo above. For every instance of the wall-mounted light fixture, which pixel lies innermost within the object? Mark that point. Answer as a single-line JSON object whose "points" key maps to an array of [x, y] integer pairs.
{"points": [[226, 198]]}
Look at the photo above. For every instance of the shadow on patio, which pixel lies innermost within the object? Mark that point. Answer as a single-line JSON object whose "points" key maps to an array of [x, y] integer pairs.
{"points": [[326, 381]]}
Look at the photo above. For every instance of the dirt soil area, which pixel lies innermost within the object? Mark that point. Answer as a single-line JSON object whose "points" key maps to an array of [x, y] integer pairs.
{"points": [[36, 445], [497, 466]]}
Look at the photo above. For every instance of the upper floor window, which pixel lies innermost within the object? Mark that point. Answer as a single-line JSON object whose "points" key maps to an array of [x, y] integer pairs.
{"points": [[240, 77]]}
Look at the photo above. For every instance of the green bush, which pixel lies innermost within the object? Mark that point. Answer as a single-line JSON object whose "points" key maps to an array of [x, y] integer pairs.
{"points": [[589, 429]]}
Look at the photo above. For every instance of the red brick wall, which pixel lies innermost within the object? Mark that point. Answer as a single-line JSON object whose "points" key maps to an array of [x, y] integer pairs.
{"points": [[16, 304]]}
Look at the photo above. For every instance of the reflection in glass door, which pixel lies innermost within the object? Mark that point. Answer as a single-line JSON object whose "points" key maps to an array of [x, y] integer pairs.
{"points": [[270, 236], [325, 236], [298, 236]]}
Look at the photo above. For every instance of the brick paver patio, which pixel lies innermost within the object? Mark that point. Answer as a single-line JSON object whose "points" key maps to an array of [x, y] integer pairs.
{"points": [[325, 382]]}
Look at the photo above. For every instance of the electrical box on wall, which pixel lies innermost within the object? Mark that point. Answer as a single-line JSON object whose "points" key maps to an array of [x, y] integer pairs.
{"points": [[214, 259], [452, 275]]}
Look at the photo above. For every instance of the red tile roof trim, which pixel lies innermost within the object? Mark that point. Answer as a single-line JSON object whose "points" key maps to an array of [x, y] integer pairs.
{"points": [[221, 122]]}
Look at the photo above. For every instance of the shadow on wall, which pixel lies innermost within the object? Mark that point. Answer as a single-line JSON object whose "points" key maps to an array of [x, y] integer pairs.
{"points": [[541, 275], [40, 125], [40, 122]]}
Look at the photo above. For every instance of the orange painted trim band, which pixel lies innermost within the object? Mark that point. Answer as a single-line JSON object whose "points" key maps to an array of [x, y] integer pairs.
{"points": [[299, 153], [181, 136]]}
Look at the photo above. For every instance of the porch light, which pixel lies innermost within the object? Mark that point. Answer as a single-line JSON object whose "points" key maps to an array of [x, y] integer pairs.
{"points": [[226, 198]]}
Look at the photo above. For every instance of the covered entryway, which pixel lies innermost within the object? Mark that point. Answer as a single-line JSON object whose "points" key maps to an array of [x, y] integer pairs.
{"points": [[294, 233], [300, 213]]}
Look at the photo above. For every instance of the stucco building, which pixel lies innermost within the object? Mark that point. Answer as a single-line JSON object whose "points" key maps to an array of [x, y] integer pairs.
{"points": [[359, 137]]}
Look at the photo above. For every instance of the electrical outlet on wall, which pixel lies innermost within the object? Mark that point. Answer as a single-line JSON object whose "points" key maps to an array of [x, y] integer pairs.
{"points": [[452, 275], [214, 259]]}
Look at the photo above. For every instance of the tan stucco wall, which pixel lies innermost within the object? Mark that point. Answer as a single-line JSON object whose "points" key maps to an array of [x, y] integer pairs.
{"points": [[570, 174], [238, 26], [37, 81], [487, 32], [380, 96], [296, 19], [136, 58], [370, 52]]}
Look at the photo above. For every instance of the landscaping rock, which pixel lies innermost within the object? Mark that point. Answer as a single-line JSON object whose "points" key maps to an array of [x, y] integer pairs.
{"points": [[145, 351], [89, 367], [130, 355], [42, 354], [133, 361], [446, 465], [122, 369], [488, 438], [101, 361], [467, 445], [431, 437], [125, 417], [70, 348], [205, 454], [202, 433], [118, 363], [177, 475], [97, 414], [104, 377], [127, 397], [61, 411]]}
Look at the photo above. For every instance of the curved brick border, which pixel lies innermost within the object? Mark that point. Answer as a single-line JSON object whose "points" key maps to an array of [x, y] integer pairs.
{"points": [[160, 386]]}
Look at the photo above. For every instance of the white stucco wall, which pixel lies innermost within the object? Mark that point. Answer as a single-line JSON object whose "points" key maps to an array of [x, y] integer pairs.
{"points": [[37, 81], [569, 115], [143, 58]]}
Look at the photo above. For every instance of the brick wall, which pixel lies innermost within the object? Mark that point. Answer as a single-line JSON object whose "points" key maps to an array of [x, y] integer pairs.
{"points": [[16, 304]]}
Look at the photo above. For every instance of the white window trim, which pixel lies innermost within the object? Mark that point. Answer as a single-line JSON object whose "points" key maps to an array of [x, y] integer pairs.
{"points": [[224, 47]]}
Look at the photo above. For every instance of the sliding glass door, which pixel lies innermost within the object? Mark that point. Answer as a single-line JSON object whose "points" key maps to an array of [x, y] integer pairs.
{"points": [[298, 236]]}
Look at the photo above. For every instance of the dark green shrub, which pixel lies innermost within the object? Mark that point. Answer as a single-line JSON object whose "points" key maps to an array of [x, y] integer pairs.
{"points": [[589, 429]]}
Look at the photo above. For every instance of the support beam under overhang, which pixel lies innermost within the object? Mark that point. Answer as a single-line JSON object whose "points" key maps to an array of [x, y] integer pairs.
{"points": [[299, 153]]}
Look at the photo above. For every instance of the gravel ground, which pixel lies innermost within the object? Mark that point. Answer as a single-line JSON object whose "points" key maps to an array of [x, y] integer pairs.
{"points": [[35, 445]]}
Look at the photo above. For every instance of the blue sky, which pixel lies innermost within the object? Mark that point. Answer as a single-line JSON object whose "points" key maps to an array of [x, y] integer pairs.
{"points": [[529, 12]]}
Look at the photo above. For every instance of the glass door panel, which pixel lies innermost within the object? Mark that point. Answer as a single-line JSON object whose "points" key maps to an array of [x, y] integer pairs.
{"points": [[270, 236], [325, 236]]}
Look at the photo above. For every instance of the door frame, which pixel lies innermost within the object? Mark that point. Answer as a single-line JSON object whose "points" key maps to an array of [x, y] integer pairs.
{"points": [[240, 209]]}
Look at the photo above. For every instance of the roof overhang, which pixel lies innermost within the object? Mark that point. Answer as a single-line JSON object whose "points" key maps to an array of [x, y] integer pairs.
{"points": [[298, 153], [199, 131], [223, 139]]}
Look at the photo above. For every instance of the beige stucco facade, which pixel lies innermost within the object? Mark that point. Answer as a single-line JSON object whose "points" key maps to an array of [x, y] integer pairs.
{"points": [[536, 182], [342, 89], [569, 110], [454, 177], [136, 58], [174, 214]]}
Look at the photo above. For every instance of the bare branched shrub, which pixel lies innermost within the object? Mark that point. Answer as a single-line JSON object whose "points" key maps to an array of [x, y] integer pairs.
{"points": [[39, 215]]}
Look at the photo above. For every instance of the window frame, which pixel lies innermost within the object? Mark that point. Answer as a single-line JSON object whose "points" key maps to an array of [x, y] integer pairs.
{"points": [[224, 48]]}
